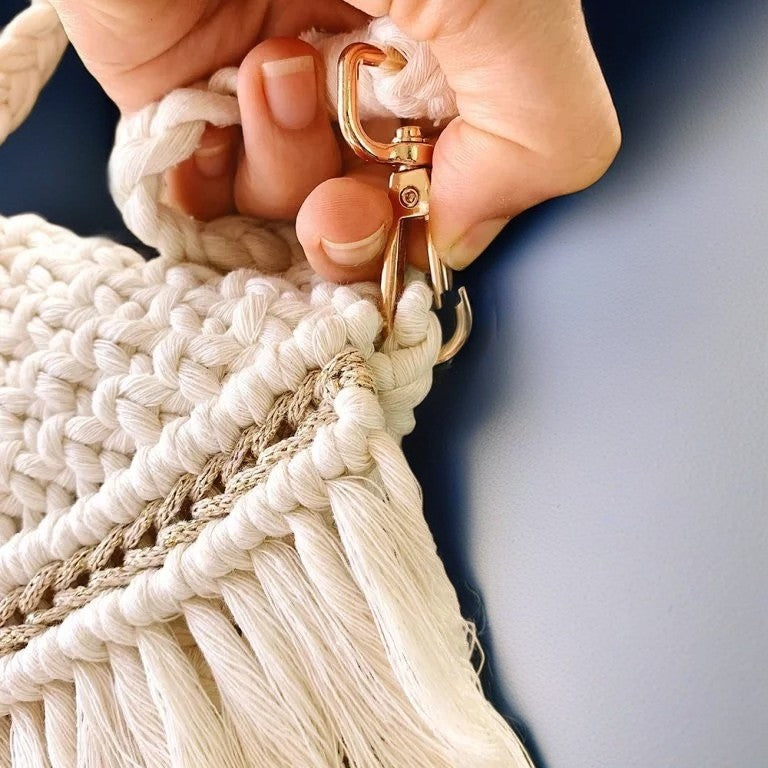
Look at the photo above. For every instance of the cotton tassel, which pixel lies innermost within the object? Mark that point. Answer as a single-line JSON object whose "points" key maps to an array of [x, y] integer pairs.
{"points": [[195, 733], [393, 558], [374, 729], [103, 740], [5, 742], [322, 557], [60, 724], [254, 708], [299, 626], [295, 611], [28, 736], [305, 716], [134, 701], [197, 661], [358, 644]]}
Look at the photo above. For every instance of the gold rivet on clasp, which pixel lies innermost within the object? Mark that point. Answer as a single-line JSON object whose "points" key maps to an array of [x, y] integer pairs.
{"points": [[409, 197]]}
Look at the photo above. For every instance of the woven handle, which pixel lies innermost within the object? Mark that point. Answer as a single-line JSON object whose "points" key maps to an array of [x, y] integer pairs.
{"points": [[163, 134], [31, 47]]}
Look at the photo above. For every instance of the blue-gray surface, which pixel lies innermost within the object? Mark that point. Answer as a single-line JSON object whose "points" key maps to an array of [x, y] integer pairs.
{"points": [[605, 438], [594, 463]]}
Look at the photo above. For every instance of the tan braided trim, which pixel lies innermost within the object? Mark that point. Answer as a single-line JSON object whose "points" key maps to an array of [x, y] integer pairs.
{"points": [[63, 586]]}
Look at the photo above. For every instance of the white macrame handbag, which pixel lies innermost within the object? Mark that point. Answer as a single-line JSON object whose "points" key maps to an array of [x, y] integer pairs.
{"points": [[213, 550]]}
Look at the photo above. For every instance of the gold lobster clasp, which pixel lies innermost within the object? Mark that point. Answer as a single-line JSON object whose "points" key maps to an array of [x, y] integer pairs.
{"points": [[409, 187]]}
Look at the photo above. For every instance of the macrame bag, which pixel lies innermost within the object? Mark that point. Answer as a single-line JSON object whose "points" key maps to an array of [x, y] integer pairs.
{"points": [[213, 551]]}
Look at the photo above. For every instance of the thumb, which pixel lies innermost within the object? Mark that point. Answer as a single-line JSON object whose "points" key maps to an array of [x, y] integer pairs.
{"points": [[536, 118]]}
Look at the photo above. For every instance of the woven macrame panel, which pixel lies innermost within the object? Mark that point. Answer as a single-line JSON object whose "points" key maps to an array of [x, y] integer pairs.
{"points": [[211, 533], [129, 549], [212, 549]]}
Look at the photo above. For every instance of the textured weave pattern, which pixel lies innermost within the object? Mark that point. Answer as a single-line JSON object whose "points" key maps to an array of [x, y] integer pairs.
{"points": [[212, 550], [120, 375], [195, 499]]}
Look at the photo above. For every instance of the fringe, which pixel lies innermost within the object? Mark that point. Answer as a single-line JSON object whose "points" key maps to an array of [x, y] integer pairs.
{"points": [[337, 645], [60, 713], [250, 703], [103, 739], [136, 704], [196, 735], [374, 727], [306, 716], [27, 737], [393, 558], [358, 645]]}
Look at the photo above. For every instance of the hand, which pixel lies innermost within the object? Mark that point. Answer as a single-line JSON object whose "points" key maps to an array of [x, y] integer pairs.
{"points": [[536, 119]]}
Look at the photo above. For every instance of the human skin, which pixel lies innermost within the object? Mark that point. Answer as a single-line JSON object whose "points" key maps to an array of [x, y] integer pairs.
{"points": [[535, 120]]}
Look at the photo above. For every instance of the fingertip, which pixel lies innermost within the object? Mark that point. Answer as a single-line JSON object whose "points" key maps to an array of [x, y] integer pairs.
{"points": [[202, 185], [474, 242], [343, 228], [289, 145], [479, 182], [278, 74], [217, 151]]}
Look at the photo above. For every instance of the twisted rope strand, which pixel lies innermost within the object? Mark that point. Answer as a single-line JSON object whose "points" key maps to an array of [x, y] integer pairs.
{"points": [[30, 49]]}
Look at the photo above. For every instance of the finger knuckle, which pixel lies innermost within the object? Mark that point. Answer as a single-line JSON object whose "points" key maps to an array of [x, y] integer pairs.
{"points": [[586, 154]]}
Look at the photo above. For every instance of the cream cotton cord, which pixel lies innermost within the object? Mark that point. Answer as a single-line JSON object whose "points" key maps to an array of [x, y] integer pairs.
{"points": [[214, 551]]}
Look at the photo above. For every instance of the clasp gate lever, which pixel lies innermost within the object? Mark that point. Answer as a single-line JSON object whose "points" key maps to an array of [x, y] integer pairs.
{"points": [[409, 187]]}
